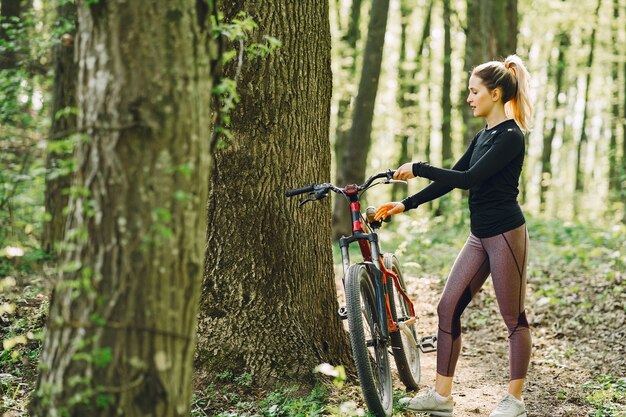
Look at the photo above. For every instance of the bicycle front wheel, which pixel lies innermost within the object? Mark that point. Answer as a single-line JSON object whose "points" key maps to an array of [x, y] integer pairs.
{"points": [[368, 346], [404, 343]]}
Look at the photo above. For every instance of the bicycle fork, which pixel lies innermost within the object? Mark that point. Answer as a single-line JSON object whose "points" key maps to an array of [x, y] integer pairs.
{"points": [[370, 253]]}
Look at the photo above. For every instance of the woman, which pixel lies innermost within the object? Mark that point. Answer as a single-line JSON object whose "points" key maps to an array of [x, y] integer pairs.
{"points": [[498, 242]]}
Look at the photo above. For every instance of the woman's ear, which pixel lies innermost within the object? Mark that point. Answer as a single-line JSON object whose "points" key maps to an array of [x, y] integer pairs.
{"points": [[496, 94]]}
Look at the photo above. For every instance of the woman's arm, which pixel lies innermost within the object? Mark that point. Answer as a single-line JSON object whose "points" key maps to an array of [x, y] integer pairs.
{"points": [[437, 189], [505, 147]]}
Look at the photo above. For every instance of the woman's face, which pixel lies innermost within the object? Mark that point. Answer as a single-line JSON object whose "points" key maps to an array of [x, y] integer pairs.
{"points": [[480, 99]]}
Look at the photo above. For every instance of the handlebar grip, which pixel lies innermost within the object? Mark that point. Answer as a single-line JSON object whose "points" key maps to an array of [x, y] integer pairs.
{"points": [[301, 190]]}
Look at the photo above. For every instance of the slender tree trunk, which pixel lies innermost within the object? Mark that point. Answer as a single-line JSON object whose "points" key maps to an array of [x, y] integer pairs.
{"points": [[623, 163], [491, 33], [349, 58], [338, 18], [405, 82], [548, 137], [357, 143], [353, 34], [614, 183], [63, 125], [122, 324], [408, 89], [269, 303], [583, 134], [446, 103]]}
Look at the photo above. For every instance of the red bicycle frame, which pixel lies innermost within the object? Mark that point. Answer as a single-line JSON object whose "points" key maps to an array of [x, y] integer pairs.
{"points": [[365, 244]]}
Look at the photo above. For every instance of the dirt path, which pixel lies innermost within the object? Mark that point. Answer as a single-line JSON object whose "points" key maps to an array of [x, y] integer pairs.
{"points": [[481, 371], [568, 351], [566, 354]]}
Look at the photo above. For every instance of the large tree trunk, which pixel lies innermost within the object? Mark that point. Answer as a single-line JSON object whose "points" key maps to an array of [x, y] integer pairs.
{"points": [[63, 125], [122, 325], [548, 137], [491, 34], [269, 304], [351, 167]]}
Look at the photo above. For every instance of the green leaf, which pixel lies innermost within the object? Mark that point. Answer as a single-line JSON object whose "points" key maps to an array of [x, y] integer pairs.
{"points": [[102, 356]]}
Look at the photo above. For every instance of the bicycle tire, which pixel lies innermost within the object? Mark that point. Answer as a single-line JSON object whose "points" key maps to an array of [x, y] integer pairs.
{"points": [[406, 356], [371, 359]]}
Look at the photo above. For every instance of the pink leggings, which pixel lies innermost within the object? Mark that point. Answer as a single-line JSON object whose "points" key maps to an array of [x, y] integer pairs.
{"points": [[505, 257]]}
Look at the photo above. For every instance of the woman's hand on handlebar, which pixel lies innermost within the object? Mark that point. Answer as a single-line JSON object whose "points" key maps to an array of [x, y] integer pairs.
{"points": [[388, 209], [404, 172]]}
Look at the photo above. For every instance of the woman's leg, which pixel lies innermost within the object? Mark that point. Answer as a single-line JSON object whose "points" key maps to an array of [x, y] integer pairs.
{"points": [[468, 274], [508, 254]]}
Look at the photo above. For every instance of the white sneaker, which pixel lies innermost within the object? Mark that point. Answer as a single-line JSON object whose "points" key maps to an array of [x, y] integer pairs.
{"points": [[430, 403], [509, 406]]}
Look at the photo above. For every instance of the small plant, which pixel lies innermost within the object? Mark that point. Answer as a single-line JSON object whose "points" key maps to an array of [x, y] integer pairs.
{"points": [[608, 395], [245, 380], [284, 403]]}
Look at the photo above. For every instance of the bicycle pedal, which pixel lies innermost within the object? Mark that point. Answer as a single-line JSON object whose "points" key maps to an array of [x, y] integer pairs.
{"points": [[428, 344], [343, 312]]}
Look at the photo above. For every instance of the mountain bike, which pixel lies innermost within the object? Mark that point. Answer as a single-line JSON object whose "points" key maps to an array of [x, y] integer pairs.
{"points": [[380, 314]]}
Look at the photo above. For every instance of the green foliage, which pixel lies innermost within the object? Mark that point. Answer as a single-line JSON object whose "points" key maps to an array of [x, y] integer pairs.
{"points": [[22, 312], [24, 86], [241, 32], [284, 403], [607, 395], [234, 396]]}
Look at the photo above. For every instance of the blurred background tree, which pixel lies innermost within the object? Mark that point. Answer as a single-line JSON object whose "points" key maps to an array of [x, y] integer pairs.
{"points": [[575, 154]]}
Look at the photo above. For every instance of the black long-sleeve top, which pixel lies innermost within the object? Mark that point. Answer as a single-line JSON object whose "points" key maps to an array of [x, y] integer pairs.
{"points": [[490, 169]]}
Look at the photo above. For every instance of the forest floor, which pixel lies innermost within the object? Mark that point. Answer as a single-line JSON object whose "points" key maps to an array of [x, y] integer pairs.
{"points": [[576, 306], [568, 365]]}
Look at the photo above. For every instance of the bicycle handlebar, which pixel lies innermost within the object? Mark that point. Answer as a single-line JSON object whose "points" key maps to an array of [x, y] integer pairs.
{"points": [[301, 190], [320, 190], [387, 174]]}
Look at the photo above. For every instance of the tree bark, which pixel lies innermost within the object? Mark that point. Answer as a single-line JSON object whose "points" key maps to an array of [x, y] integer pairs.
{"points": [[121, 330], [491, 33], [62, 127], [356, 147], [269, 303]]}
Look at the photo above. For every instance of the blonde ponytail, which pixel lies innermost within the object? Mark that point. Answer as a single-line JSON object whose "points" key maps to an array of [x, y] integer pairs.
{"points": [[519, 107], [512, 77]]}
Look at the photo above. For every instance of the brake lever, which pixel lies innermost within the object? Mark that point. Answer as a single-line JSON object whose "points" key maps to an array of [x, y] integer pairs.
{"points": [[306, 200], [396, 182], [312, 197]]}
